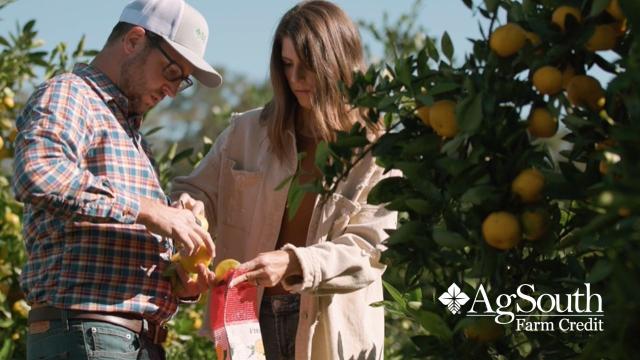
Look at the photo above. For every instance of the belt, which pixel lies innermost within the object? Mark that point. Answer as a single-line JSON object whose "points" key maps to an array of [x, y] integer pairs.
{"points": [[154, 332]]}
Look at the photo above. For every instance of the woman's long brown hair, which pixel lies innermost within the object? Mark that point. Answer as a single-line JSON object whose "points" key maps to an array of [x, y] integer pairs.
{"points": [[328, 44]]}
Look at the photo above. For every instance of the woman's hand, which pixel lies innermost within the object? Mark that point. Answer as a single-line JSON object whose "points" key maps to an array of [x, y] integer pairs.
{"points": [[268, 269]]}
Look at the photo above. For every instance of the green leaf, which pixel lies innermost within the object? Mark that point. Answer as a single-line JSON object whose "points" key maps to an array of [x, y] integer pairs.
{"points": [[491, 5], [294, 199], [434, 324], [469, 113], [395, 294], [182, 155], [447, 46], [4, 42], [443, 87], [403, 71], [449, 239], [601, 270], [420, 206], [408, 232], [152, 131], [322, 155], [468, 3], [351, 141], [386, 190]]}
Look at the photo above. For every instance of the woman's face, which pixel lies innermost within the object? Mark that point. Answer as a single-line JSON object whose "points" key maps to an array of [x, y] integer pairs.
{"points": [[300, 79]]}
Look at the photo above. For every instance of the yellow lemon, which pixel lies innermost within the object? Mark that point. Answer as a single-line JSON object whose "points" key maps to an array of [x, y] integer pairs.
{"points": [[501, 230], [615, 10], [190, 263], [423, 114], [585, 91], [507, 39], [12, 219], [542, 124], [1, 142], [224, 266], [9, 102], [559, 16], [534, 224], [548, 80], [442, 117], [20, 307], [527, 186], [604, 37]]}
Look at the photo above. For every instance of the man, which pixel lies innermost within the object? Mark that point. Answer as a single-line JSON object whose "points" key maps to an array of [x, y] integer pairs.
{"points": [[99, 230]]}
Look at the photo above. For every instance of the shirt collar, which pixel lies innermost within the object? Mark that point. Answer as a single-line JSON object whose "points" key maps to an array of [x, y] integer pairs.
{"points": [[108, 91]]}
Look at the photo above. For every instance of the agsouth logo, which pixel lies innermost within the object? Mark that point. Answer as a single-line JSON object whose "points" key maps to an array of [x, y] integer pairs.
{"points": [[454, 298], [523, 306]]}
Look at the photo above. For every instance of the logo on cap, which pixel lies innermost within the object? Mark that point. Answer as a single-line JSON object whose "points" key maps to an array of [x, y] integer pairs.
{"points": [[201, 35]]}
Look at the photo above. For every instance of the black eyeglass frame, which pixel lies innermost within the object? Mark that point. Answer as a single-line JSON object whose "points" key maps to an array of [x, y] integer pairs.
{"points": [[172, 71]]}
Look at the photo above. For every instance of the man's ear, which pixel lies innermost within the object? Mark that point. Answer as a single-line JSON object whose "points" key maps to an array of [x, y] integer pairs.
{"points": [[133, 40]]}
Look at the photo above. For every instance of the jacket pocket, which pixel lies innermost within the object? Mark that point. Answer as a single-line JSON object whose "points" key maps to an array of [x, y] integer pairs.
{"points": [[240, 195]]}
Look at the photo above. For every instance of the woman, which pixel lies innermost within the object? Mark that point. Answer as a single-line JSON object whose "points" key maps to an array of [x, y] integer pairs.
{"points": [[320, 271]]}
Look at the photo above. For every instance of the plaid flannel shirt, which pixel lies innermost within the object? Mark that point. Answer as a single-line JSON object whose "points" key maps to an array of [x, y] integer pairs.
{"points": [[81, 165]]}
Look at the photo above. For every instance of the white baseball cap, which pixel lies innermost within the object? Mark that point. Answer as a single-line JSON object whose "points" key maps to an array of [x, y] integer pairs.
{"points": [[181, 26]]}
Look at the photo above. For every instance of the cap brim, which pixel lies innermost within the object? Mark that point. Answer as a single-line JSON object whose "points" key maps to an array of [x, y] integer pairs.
{"points": [[202, 71]]}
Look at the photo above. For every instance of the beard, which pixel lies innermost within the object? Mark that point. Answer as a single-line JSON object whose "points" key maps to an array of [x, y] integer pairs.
{"points": [[133, 82]]}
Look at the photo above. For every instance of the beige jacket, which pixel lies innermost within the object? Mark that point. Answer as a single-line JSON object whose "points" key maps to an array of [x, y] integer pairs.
{"points": [[341, 269]]}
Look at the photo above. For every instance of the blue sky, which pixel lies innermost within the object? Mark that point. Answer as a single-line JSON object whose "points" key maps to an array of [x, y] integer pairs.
{"points": [[241, 30]]}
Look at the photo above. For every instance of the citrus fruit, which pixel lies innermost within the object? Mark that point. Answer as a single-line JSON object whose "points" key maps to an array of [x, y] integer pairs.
{"points": [[484, 330], [559, 16], [584, 91], [542, 124], [507, 39], [604, 37], [534, 224], [548, 80], [224, 266], [501, 230], [12, 219], [1, 142], [423, 114], [190, 263], [442, 117], [9, 102], [527, 186], [615, 10]]}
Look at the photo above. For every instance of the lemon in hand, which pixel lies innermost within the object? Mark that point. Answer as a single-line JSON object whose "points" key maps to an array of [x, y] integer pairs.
{"points": [[190, 263], [224, 266]]}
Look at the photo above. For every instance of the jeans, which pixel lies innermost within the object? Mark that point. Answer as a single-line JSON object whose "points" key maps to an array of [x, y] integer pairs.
{"points": [[88, 339], [278, 325]]}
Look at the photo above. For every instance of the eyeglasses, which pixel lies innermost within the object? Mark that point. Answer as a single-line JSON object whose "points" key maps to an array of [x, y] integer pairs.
{"points": [[172, 72]]}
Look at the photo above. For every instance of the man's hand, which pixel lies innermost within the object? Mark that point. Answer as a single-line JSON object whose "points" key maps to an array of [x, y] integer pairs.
{"points": [[193, 287], [187, 202], [178, 224], [268, 269]]}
